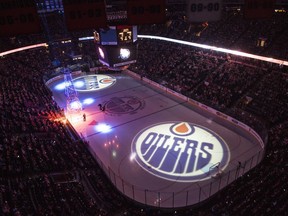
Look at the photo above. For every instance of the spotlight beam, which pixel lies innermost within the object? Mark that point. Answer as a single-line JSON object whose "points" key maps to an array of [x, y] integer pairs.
{"points": [[219, 49]]}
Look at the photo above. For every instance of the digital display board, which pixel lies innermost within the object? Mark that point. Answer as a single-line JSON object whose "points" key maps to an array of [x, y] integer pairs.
{"points": [[117, 56], [108, 36], [124, 34], [116, 35], [102, 54], [123, 55]]}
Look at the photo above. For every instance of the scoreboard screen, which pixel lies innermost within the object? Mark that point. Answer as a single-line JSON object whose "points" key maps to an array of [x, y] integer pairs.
{"points": [[125, 34], [117, 56], [108, 36], [102, 55], [116, 35]]}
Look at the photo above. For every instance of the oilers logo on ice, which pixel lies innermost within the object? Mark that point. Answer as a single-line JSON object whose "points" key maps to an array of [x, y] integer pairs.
{"points": [[93, 82], [180, 151]]}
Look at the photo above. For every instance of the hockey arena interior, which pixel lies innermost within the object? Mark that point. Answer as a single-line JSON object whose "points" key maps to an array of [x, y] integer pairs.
{"points": [[142, 108]]}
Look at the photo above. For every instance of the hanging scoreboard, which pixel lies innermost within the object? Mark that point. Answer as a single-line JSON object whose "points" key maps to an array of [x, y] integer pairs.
{"points": [[124, 34], [117, 56], [116, 35], [115, 45]]}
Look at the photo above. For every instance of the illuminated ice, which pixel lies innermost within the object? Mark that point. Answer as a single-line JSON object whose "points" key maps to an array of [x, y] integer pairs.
{"points": [[75, 105], [79, 84], [88, 101], [104, 128], [60, 86]]}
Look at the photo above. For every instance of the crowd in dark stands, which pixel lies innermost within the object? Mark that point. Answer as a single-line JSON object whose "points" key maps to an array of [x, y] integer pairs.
{"points": [[232, 31], [244, 34], [227, 83], [36, 145], [254, 93]]}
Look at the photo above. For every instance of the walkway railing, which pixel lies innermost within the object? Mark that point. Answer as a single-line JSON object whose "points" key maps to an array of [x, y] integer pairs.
{"points": [[197, 194]]}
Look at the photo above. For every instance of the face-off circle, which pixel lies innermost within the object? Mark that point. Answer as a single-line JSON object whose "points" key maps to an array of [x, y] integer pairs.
{"points": [[124, 105], [180, 151]]}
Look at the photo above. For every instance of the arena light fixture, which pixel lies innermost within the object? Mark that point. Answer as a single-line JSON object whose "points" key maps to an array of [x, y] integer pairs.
{"points": [[23, 48], [219, 49]]}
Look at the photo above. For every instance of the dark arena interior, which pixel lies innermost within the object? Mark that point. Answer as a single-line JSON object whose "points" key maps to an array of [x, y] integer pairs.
{"points": [[143, 108]]}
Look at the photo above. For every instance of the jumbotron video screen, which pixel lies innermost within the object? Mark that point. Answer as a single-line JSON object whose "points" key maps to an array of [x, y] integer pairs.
{"points": [[117, 56], [116, 45]]}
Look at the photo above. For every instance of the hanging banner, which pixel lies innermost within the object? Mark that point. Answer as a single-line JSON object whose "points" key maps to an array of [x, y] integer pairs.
{"points": [[172, 2], [85, 14], [258, 9], [232, 2], [140, 12], [241, 2], [282, 2], [203, 10], [18, 17]]}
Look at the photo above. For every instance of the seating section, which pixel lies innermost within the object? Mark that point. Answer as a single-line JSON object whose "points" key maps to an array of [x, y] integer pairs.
{"points": [[44, 170]]}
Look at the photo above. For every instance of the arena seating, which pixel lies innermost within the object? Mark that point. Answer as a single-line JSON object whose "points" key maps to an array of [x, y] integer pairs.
{"points": [[36, 146]]}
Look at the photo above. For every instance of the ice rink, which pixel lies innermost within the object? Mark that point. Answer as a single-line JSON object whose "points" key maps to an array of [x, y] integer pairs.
{"points": [[156, 148]]}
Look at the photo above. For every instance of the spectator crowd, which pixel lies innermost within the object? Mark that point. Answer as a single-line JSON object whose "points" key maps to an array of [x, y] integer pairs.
{"points": [[46, 170]]}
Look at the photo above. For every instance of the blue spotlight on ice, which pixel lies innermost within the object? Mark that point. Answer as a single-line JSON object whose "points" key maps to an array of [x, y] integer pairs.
{"points": [[88, 101], [60, 86], [75, 105], [104, 128], [78, 84]]}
